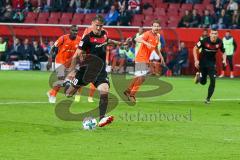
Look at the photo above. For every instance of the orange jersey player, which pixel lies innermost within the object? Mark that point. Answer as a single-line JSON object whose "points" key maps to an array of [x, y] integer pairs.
{"points": [[65, 46], [149, 42]]}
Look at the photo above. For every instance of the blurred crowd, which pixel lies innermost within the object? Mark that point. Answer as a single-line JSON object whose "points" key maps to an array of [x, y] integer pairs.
{"points": [[225, 16]]}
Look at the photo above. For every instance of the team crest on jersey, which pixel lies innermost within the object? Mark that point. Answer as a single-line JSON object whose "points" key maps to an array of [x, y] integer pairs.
{"points": [[208, 45]]}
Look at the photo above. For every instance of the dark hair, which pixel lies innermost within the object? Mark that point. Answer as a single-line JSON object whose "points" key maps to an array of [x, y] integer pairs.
{"points": [[98, 18], [73, 27], [156, 21]]}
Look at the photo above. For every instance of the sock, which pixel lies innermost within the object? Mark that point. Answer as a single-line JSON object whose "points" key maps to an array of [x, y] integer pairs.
{"points": [[132, 83], [54, 91], [136, 86], [103, 105]]}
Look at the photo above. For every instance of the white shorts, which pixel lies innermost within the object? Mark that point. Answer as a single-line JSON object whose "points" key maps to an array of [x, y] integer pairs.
{"points": [[154, 56], [60, 70], [141, 69]]}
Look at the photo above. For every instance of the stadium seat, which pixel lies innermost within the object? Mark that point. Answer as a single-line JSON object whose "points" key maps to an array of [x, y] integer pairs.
{"points": [[172, 12], [43, 15], [210, 7], [32, 15], [186, 6], [67, 16], [53, 20], [65, 20], [89, 17], [172, 24], [137, 23], [174, 6], [147, 22], [162, 5], [174, 19], [78, 16], [42, 20], [148, 11], [199, 7], [137, 17], [29, 20], [160, 11], [56, 15], [156, 2], [149, 17], [87, 21]]}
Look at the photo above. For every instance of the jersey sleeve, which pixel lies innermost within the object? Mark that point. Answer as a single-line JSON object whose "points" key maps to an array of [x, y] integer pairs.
{"points": [[199, 44], [59, 41], [83, 44]]}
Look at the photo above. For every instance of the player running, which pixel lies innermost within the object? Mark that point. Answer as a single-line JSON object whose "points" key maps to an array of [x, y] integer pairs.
{"points": [[207, 61], [149, 42], [92, 67], [65, 47]]}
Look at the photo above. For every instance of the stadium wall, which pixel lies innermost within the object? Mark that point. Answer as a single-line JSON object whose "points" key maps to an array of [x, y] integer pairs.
{"points": [[172, 36]]}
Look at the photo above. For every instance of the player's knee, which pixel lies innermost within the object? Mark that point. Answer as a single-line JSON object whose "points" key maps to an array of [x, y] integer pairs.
{"points": [[103, 88]]}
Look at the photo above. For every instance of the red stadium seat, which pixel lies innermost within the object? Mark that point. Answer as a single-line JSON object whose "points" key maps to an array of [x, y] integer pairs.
{"points": [[160, 12], [199, 6], [174, 19], [172, 24], [210, 7], [147, 22], [172, 12], [65, 20], [149, 17], [162, 5], [137, 17], [67, 16], [43, 15], [147, 1], [42, 20], [87, 21], [186, 6], [137, 23], [32, 15], [53, 20], [29, 20], [156, 2], [56, 15], [148, 11], [89, 17], [174, 6], [79, 16]]}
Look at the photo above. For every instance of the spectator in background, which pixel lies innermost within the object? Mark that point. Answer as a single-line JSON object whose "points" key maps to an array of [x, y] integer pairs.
{"points": [[26, 50], [7, 14], [176, 64], [218, 6], [39, 52], [125, 17], [60, 5], [231, 7], [134, 6], [195, 20], [186, 20], [204, 34], [27, 6], [235, 20], [112, 17], [230, 46], [207, 20], [3, 48], [137, 44], [223, 20], [98, 6], [14, 51], [122, 3], [18, 16]]}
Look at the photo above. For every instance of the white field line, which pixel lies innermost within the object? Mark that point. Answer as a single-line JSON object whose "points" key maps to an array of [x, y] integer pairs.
{"points": [[121, 101]]}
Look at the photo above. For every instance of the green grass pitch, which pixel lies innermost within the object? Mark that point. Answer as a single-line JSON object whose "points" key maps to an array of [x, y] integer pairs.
{"points": [[30, 130]]}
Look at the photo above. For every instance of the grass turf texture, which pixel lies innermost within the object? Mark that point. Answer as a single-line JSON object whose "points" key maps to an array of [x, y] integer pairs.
{"points": [[32, 131]]}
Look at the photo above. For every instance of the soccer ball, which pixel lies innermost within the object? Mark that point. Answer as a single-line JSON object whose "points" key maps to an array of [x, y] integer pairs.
{"points": [[89, 123]]}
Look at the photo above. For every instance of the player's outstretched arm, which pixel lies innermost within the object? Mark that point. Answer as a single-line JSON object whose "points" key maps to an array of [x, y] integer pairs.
{"points": [[195, 56]]}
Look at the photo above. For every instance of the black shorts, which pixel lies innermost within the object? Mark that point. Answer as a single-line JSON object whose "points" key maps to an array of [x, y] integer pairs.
{"points": [[83, 77], [208, 70]]}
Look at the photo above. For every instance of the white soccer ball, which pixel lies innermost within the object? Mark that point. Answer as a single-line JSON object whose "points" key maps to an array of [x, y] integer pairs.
{"points": [[89, 123]]}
